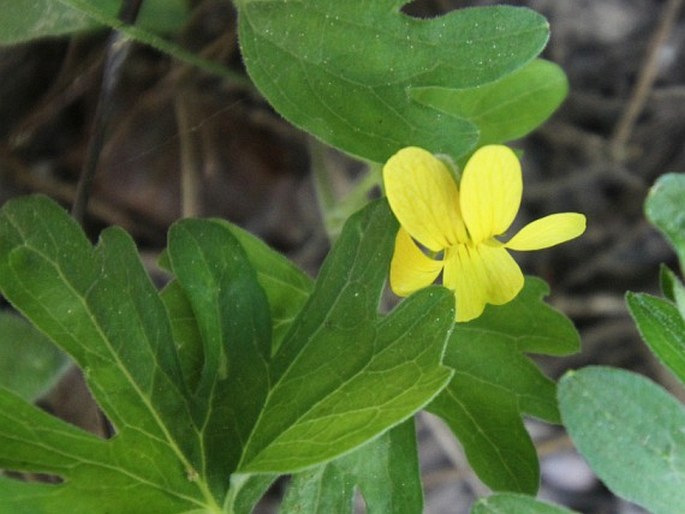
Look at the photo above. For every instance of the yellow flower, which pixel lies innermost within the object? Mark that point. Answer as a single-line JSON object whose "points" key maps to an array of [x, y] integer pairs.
{"points": [[458, 226]]}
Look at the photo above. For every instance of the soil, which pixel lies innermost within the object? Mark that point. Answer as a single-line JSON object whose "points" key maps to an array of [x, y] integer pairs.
{"points": [[621, 127]]}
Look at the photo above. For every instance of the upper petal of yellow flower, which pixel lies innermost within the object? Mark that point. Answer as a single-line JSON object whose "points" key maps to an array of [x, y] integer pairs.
{"points": [[424, 197], [548, 231], [410, 269], [491, 188]]}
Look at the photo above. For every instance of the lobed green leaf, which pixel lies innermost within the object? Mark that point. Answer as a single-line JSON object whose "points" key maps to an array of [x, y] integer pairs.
{"points": [[495, 383], [99, 305], [190, 429]]}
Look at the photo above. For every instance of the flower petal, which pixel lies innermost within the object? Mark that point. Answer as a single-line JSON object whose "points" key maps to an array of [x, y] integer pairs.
{"points": [[490, 191], [505, 279], [410, 269], [548, 231], [423, 195], [480, 275], [465, 275]]}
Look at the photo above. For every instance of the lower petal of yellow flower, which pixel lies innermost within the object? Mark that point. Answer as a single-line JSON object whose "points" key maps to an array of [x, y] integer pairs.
{"points": [[548, 231], [479, 275], [410, 268], [504, 275], [465, 274]]}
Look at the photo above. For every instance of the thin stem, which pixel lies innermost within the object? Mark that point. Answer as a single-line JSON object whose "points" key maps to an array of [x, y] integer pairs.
{"points": [[190, 169], [322, 180], [335, 210], [118, 47], [129, 11]]}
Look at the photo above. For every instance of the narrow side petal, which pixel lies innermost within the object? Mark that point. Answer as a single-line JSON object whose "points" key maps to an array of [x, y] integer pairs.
{"points": [[466, 276], [548, 231], [424, 198], [504, 277], [490, 191], [410, 269]]}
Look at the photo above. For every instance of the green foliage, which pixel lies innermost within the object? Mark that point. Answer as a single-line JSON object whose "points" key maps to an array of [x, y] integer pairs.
{"points": [[25, 20], [386, 471], [661, 322], [243, 368], [515, 504], [506, 109], [662, 327], [629, 429], [189, 428], [664, 208], [495, 383], [29, 363], [631, 433], [284, 284], [346, 71]]}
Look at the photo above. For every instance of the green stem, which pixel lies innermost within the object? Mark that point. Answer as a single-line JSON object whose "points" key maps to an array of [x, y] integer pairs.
{"points": [[336, 211]]}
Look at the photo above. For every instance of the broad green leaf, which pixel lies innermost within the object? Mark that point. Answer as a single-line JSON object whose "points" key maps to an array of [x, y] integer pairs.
{"points": [[343, 70], [371, 372], [495, 383], [631, 432], [386, 470], [665, 209], [29, 363], [663, 329], [504, 110], [25, 20], [507, 503]]}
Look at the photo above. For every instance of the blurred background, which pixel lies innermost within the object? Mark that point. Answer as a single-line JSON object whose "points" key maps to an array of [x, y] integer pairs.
{"points": [[621, 127]]}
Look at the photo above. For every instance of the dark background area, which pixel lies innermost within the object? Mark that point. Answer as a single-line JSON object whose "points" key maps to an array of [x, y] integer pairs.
{"points": [[621, 127]]}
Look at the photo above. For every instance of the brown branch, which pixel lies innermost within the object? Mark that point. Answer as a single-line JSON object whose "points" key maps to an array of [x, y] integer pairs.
{"points": [[648, 74]]}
